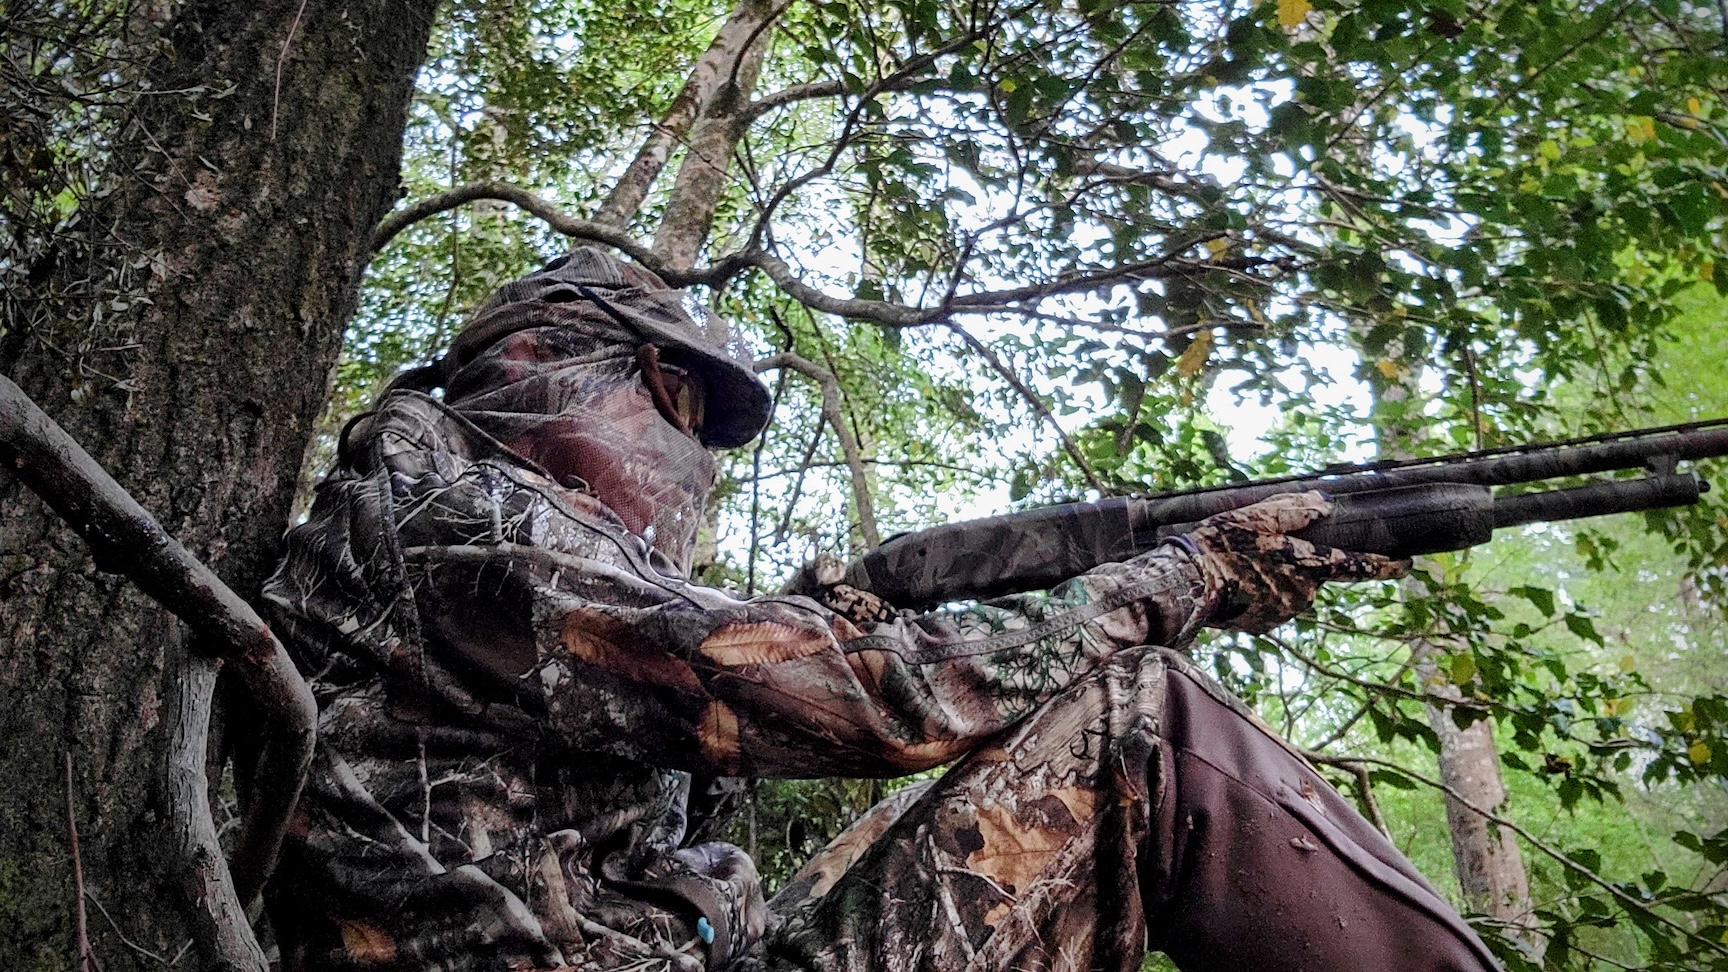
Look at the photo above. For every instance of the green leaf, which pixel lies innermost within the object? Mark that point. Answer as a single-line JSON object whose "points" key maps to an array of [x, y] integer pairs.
{"points": [[1541, 597], [1583, 627], [1463, 668]]}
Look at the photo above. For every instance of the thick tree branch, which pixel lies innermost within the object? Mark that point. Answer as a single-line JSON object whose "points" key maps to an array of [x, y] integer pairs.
{"points": [[125, 539], [701, 180], [625, 200], [225, 940], [880, 311], [836, 417]]}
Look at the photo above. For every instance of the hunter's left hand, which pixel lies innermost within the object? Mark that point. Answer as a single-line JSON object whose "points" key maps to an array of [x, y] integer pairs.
{"points": [[823, 580], [1258, 576]]}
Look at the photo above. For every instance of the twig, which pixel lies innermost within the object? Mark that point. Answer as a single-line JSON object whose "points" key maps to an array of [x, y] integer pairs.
{"points": [[86, 955], [1426, 698], [750, 40], [908, 74], [1364, 786], [630, 943], [1475, 392], [282, 58], [804, 466], [952, 467], [1553, 852], [114, 927], [1345, 726]]}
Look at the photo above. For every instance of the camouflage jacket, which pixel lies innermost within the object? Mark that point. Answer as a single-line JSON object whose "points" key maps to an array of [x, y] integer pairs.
{"points": [[515, 691]]}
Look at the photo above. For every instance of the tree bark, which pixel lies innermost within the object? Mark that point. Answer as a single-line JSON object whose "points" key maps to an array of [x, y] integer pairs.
{"points": [[701, 180], [187, 345], [1489, 865]]}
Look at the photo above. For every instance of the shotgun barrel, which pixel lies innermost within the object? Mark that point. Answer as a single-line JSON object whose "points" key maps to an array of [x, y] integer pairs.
{"points": [[1400, 508]]}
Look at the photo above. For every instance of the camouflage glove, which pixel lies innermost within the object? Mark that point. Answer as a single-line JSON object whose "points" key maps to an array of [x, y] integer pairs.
{"points": [[1257, 576], [821, 580]]}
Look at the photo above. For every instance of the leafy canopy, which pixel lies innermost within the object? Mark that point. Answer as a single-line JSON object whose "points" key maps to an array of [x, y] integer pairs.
{"points": [[1040, 248]]}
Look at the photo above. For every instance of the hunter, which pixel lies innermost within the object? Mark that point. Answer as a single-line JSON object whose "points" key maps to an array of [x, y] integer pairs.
{"points": [[518, 685]]}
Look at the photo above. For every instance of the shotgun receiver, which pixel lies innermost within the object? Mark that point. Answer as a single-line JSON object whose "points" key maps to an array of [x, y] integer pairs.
{"points": [[1398, 508]]}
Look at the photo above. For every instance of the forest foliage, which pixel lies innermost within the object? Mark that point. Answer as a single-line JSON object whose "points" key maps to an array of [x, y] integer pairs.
{"points": [[1037, 251]]}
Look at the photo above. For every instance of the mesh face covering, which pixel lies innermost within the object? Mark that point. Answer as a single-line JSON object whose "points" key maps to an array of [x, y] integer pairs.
{"points": [[570, 396]]}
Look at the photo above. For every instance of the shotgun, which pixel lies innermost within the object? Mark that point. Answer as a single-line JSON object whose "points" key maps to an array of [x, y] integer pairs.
{"points": [[1401, 508]]}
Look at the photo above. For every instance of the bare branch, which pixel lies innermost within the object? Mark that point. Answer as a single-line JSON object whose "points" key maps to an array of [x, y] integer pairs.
{"points": [[804, 467], [1163, 180], [907, 75], [1364, 786], [836, 417], [125, 539], [1553, 852], [883, 312], [81, 930], [756, 489], [891, 314], [1032, 399], [1082, 281], [880, 311], [554, 217], [219, 927], [805, 464]]}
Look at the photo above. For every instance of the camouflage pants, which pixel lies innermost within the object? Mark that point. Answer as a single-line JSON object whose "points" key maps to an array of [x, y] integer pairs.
{"points": [[1142, 808]]}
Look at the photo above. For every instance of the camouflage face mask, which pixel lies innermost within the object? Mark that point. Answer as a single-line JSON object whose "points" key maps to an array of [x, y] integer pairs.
{"points": [[574, 396]]}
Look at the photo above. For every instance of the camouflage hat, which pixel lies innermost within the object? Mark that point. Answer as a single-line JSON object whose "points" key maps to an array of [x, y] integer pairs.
{"points": [[687, 333]]}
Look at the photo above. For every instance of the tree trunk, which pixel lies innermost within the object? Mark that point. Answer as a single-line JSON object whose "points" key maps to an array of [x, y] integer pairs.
{"points": [[701, 181], [187, 345], [711, 71], [1488, 864]]}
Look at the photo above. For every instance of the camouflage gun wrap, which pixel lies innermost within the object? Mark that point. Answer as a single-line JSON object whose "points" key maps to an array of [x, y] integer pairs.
{"points": [[1397, 508]]}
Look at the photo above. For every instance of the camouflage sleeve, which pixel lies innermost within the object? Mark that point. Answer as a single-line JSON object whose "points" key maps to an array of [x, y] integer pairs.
{"points": [[782, 686], [467, 589]]}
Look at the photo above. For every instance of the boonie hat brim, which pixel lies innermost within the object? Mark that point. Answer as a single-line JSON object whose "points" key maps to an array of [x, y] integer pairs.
{"points": [[737, 403]]}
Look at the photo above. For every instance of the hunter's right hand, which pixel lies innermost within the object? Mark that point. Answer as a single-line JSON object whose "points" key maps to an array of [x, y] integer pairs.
{"points": [[1258, 576]]}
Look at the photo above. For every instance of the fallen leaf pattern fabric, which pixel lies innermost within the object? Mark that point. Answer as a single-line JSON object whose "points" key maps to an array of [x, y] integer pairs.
{"points": [[515, 690], [1140, 808]]}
